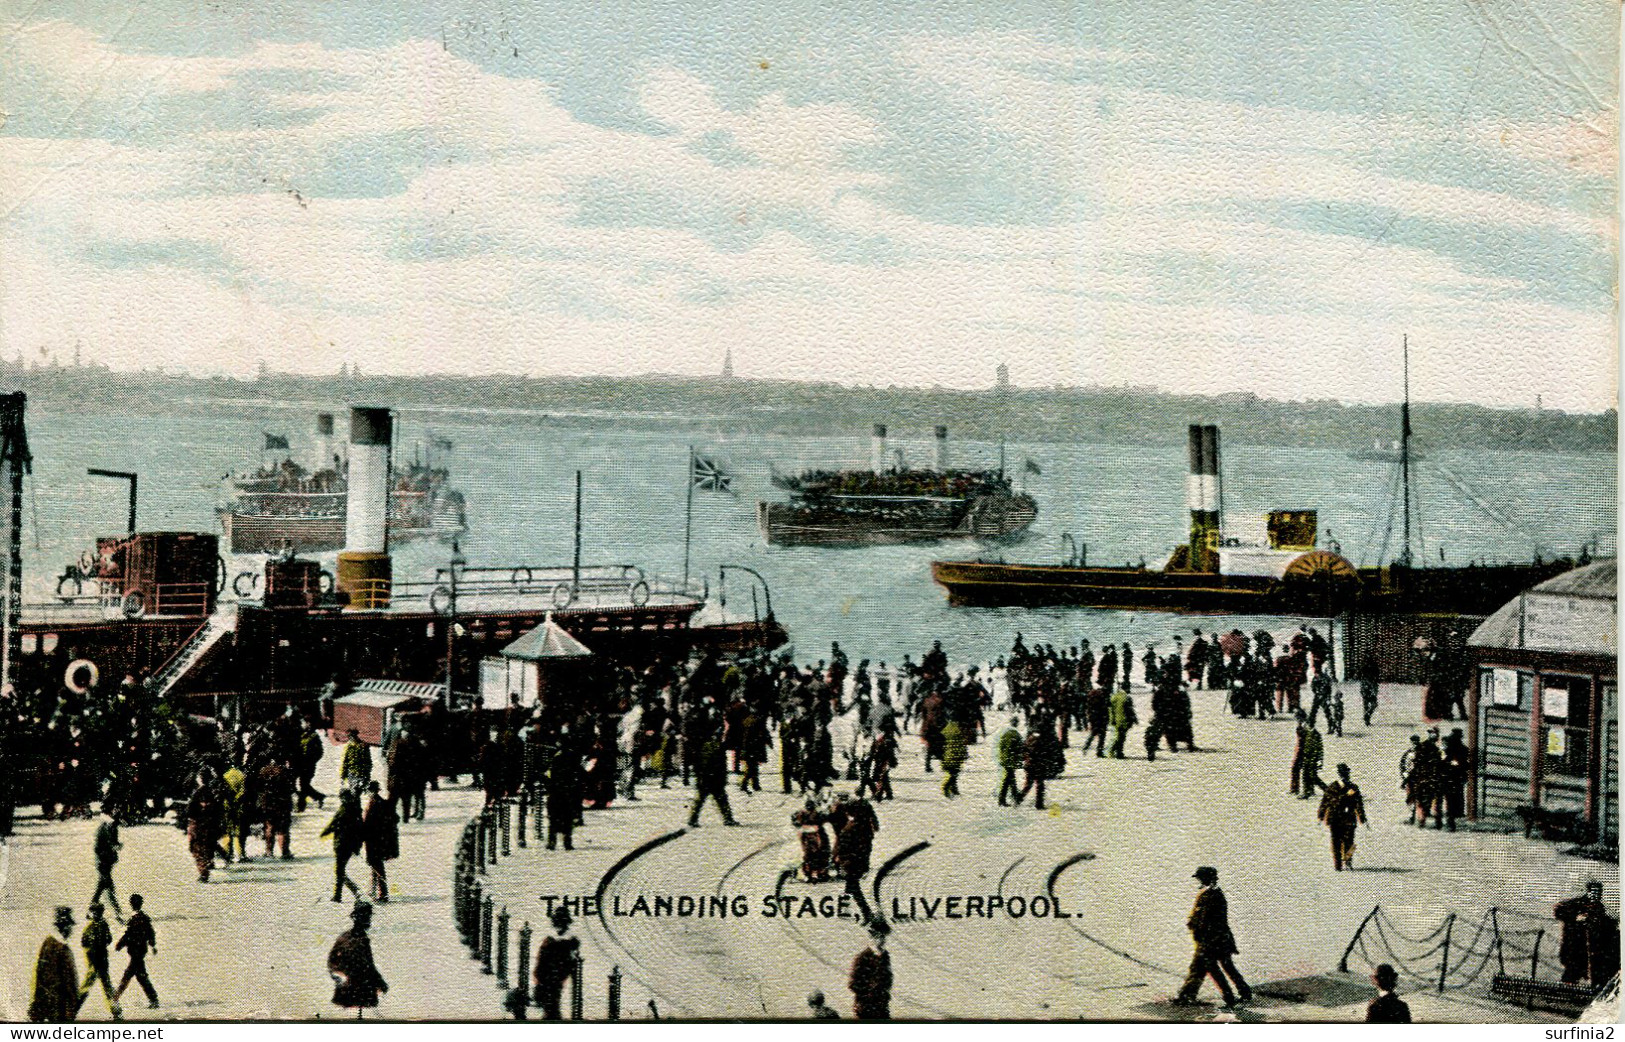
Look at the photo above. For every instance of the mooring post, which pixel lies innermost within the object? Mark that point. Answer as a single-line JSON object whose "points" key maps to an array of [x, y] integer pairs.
{"points": [[522, 976], [1500, 953], [575, 990], [615, 992], [485, 935], [524, 805], [475, 899], [502, 948]]}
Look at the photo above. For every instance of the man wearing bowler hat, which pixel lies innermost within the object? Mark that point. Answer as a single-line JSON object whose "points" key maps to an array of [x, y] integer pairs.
{"points": [[1215, 945]]}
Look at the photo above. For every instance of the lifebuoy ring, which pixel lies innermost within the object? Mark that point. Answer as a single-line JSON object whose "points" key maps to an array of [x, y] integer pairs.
{"points": [[71, 674], [324, 581], [134, 604], [244, 584], [638, 593], [440, 600], [219, 575], [521, 570], [563, 595], [78, 586], [87, 561]]}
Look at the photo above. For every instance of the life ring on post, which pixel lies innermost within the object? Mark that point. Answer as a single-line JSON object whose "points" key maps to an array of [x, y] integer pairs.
{"points": [[244, 584], [516, 579], [134, 604], [219, 575], [638, 593], [440, 600], [563, 595], [87, 562], [77, 668]]}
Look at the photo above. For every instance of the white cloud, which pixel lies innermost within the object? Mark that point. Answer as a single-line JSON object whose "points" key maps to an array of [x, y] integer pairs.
{"points": [[480, 260]]}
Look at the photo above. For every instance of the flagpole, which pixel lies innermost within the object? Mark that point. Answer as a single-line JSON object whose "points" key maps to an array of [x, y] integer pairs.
{"points": [[688, 513]]}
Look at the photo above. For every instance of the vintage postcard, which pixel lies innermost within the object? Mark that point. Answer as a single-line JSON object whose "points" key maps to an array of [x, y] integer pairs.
{"points": [[637, 511]]}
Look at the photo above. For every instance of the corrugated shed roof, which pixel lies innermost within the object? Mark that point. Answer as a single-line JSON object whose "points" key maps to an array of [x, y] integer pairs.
{"points": [[1574, 613], [547, 641]]}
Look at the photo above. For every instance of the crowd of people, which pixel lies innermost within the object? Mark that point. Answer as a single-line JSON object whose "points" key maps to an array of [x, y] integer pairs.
{"points": [[835, 731]]}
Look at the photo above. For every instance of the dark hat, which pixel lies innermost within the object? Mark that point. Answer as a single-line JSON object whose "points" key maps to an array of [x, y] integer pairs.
{"points": [[1386, 976], [361, 910], [1207, 874], [64, 913], [560, 917], [878, 927]]}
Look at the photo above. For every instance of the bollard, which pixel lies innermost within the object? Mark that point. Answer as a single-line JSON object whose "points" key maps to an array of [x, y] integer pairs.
{"points": [[479, 842], [474, 899], [575, 990], [539, 819], [522, 977], [502, 948], [524, 805], [485, 935], [504, 815], [615, 992], [491, 834], [463, 900]]}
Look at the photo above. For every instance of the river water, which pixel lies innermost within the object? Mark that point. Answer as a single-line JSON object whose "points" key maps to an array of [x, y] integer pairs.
{"points": [[1123, 502]]}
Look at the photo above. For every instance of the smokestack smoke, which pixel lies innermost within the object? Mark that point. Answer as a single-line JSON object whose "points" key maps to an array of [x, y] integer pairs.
{"points": [[942, 450], [877, 449]]}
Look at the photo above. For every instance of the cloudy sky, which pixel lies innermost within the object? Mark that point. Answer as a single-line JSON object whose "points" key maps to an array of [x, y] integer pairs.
{"points": [[1250, 196]]}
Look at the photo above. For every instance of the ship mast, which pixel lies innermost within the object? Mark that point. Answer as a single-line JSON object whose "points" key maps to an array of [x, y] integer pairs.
{"points": [[1405, 453]]}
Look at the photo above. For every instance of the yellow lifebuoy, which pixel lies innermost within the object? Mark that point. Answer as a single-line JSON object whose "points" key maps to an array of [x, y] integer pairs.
{"points": [[75, 668]]}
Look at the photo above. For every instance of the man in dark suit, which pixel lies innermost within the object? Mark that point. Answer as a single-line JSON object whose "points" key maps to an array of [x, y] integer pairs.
{"points": [[871, 977], [1387, 1008], [1209, 924]]}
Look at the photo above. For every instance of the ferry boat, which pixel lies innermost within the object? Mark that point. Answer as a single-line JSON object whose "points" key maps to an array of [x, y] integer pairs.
{"points": [[287, 506], [157, 606], [1284, 573], [894, 504]]}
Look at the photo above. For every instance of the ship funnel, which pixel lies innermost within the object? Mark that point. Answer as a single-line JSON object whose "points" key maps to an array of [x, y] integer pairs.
{"points": [[364, 570], [942, 450], [1203, 498], [324, 441], [877, 449]]}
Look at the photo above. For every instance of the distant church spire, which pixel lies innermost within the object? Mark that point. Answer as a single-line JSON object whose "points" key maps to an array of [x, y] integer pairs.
{"points": [[728, 364]]}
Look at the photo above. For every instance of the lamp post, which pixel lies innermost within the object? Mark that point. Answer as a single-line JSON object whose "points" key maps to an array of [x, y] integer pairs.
{"points": [[458, 562]]}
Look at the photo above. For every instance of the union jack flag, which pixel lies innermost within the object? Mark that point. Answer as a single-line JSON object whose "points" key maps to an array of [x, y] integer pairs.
{"points": [[707, 476]]}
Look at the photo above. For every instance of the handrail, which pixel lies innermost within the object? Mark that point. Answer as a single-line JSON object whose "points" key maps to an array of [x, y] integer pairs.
{"points": [[722, 578]]}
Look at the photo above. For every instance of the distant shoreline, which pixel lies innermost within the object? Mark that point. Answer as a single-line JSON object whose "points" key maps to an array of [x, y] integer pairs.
{"points": [[1026, 415]]}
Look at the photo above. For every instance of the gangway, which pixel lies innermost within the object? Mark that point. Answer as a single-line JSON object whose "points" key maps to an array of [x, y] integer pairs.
{"points": [[192, 654]]}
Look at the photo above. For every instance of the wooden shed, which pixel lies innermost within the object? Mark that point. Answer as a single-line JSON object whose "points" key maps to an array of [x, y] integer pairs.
{"points": [[1545, 706], [374, 708]]}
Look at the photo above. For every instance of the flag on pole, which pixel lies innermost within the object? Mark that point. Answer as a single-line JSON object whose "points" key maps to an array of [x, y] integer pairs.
{"points": [[275, 441], [706, 475], [1031, 467]]}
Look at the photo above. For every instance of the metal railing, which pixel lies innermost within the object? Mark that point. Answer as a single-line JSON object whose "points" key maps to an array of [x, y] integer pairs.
{"points": [[110, 602], [559, 586]]}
